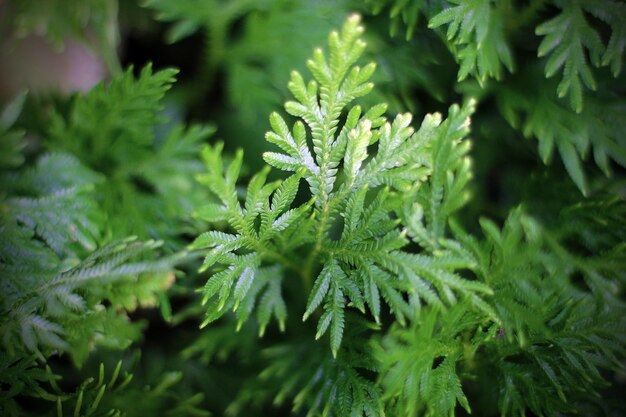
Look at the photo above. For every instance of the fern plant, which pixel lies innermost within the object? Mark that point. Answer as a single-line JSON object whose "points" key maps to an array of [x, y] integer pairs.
{"points": [[114, 130], [360, 257], [351, 237], [372, 266], [52, 292], [66, 288]]}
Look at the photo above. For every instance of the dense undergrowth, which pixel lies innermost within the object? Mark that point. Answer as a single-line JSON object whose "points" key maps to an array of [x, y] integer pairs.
{"points": [[433, 223]]}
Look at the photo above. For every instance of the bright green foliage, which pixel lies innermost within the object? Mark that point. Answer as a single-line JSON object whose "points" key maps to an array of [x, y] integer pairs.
{"points": [[348, 238], [365, 262], [244, 271], [484, 35], [543, 341], [431, 204], [113, 130], [451, 275], [65, 288], [426, 383], [476, 32]]}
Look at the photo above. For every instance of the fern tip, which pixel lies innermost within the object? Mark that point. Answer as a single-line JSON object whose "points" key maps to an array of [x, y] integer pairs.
{"points": [[354, 18]]}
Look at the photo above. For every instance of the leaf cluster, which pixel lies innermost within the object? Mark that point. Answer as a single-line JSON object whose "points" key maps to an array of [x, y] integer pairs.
{"points": [[363, 228], [363, 263], [113, 130], [52, 292], [376, 234], [486, 36], [67, 287]]}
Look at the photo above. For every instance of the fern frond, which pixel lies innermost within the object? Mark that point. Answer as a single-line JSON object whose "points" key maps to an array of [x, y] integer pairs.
{"points": [[126, 110], [264, 214], [419, 364], [572, 41], [367, 262], [432, 204], [316, 383], [476, 27], [113, 129], [48, 218], [53, 201], [41, 302], [613, 13], [550, 334], [568, 36], [339, 84], [555, 126], [50, 300]]}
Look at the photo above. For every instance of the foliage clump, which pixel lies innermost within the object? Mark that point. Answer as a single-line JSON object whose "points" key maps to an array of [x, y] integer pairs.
{"points": [[366, 264]]}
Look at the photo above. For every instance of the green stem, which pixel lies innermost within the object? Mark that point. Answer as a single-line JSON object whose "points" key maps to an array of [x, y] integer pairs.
{"points": [[307, 272], [327, 207]]}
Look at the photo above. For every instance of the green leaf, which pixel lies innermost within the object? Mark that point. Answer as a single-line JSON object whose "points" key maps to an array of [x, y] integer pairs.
{"points": [[320, 288], [572, 164], [354, 193], [243, 285], [337, 322]]}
